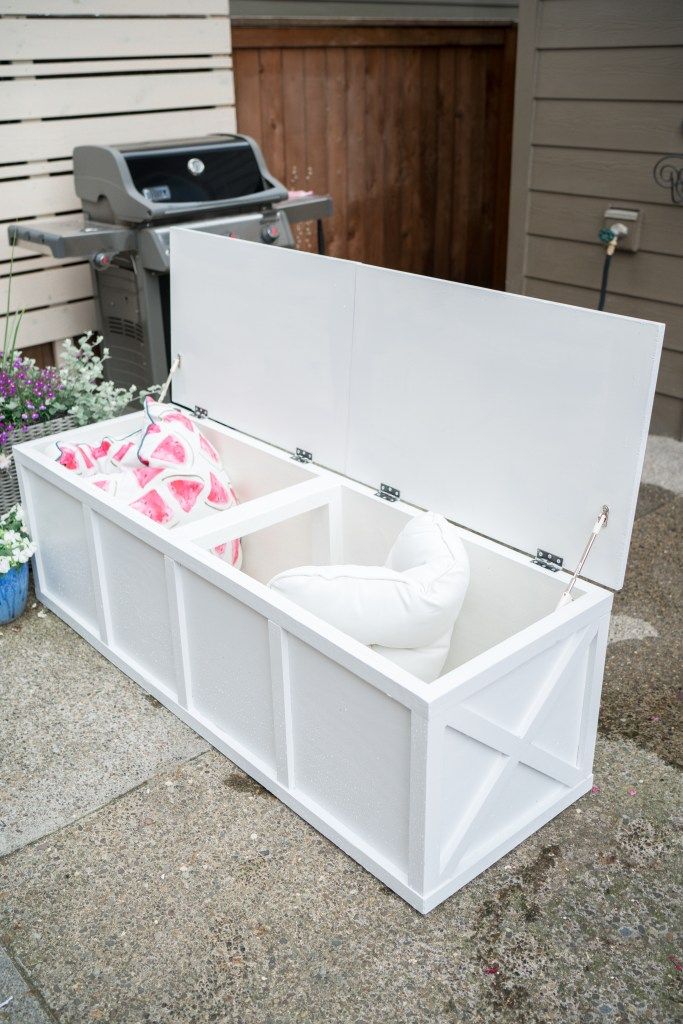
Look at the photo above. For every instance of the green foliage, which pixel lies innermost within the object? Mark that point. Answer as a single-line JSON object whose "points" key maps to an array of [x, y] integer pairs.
{"points": [[16, 547], [84, 393]]}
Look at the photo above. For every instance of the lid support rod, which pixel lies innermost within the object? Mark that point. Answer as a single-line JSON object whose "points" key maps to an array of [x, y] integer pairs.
{"points": [[167, 383], [600, 522]]}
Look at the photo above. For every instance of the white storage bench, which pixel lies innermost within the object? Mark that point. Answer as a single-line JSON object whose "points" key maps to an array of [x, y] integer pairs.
{"points": [[517, 419]]}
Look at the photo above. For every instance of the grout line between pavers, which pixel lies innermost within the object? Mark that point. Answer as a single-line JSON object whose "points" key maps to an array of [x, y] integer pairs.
{"points": [[25, 976], [108, 803]]}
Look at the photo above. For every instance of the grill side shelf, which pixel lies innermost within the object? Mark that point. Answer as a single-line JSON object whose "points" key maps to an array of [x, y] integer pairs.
{"points": [[65, 239]]}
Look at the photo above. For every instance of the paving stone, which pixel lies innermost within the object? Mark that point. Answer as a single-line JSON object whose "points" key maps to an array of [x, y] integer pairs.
{"points": [[74, 731], [18, 1003], [198, 897], [642, 695], [166, 886], [664, 463]]}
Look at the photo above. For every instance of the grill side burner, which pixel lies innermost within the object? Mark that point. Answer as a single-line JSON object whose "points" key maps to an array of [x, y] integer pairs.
{"points": [[132, 195]]}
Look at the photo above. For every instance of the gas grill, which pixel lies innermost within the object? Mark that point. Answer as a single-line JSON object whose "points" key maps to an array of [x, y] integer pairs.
{"points": [[131, 196]]}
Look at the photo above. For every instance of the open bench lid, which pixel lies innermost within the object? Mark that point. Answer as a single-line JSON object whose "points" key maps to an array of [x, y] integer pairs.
{"points": [[515, 417]]}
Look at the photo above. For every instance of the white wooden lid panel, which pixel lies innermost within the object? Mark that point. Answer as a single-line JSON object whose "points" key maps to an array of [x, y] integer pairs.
{"points": [[515, 417], [265, 342]]}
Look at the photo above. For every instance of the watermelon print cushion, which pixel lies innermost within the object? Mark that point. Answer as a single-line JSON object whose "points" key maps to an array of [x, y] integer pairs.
{"points": [[168, 471]]}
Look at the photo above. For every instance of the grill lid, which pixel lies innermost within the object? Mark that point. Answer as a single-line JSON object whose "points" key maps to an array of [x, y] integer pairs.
{"points": [[173, 180]]}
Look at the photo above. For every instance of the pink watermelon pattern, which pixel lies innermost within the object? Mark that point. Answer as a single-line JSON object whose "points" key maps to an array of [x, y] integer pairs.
{"points": [[186, 492], [168, 472], [152, 505]]}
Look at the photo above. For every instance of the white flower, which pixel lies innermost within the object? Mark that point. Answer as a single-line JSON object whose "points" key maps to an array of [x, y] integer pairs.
{"points": [[19, 513], [4, 564], [5, 461]]}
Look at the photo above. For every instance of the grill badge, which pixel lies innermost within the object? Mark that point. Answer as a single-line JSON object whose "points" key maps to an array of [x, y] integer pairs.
{"points": [[195, 166]]}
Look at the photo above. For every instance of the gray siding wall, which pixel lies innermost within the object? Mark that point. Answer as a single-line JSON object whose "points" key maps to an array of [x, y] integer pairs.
{"points": [[599, 99], [378, 10]]}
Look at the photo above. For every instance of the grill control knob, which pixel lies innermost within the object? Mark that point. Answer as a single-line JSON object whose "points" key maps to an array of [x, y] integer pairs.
{"points": [[101, 260], [270, 233]]}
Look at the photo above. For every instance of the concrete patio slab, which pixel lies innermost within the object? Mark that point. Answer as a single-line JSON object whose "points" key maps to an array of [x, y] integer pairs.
{"points": [[18, 1002], [642, 695], [152, 882], [664, 463], [199, 897], [74, 733]]}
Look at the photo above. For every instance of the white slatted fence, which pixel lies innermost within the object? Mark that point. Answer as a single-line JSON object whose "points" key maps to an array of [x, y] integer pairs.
{"points": [[94, 71]]}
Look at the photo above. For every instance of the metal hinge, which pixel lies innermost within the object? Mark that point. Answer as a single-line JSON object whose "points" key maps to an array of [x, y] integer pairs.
{"points": [[388, 493], [301, 455], [200, 413], [547, 560]]}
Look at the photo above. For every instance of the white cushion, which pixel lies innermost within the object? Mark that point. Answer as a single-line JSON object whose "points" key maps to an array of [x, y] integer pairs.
{"points": [[405, 609]]}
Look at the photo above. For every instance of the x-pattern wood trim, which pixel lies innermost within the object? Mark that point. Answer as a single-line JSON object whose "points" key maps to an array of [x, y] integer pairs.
{"points": [[516, 746]]}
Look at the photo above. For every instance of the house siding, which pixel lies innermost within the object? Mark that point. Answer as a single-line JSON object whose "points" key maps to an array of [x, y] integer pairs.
{"points": [[598, 102]]}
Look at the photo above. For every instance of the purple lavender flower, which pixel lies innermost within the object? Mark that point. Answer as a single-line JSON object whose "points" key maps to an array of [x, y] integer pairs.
{"points": [[31, 390]]}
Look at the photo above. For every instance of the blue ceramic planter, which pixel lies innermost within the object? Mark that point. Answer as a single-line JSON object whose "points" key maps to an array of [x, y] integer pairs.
{"points": [[13, 593]]}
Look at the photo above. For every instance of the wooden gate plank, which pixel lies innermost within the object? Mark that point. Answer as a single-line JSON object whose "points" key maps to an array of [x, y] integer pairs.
{"points": [[410, 130]]}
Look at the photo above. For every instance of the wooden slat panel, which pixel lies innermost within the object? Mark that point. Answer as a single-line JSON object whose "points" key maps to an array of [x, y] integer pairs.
{"points": [[410, 161], [39, 288], [667, 417], [444, 163], [642, 74], [628, 126], [579, 218], [297, 36], [60, 69], [269, 100], [626, 305], [76, 80], [429, 133], [57, 38], [504, 160], [647, 275], [316, 128], [335, 105], [391, 143], [161, 8], [44, 355], [595, 172], [356, 140], [110, 93], [466, 181], [377, 10], [24, 170], [294, 114], [56, 322], [39, 140], [25, 260], [610, 23], [38, 197], [383, 124]]}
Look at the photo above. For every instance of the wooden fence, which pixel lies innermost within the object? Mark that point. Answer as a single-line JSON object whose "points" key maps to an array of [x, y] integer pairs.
{"points": [[409, 129], [80, 71]]}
